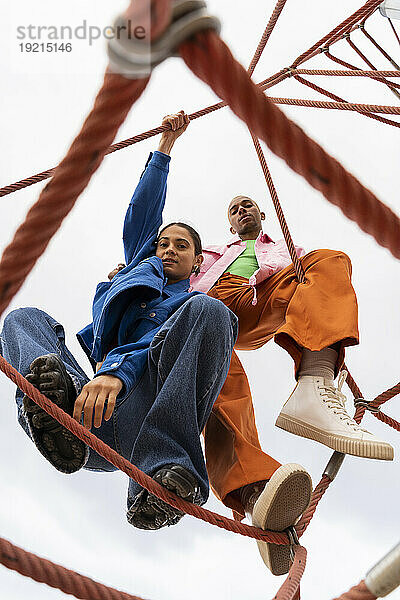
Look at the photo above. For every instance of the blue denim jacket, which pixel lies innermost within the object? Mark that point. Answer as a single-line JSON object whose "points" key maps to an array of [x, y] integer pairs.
{"points": [[129, 310]]}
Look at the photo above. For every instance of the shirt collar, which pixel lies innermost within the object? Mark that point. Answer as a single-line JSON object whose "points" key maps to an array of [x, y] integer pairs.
{"points": [[263, 237], [177, 288]]}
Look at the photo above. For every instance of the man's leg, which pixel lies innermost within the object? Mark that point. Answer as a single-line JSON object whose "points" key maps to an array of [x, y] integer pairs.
{"points": [[166, 413], [29, 333], [233, 453], [317, 319]]}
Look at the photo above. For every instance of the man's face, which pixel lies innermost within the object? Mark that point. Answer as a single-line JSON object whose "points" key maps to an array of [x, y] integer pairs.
{"points": [[176, 249], [245, 216]]}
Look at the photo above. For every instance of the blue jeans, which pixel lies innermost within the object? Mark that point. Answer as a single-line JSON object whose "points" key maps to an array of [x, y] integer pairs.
{"points": [[160, 421]]}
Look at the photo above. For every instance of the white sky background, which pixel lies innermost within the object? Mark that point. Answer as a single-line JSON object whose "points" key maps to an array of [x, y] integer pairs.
{"points": [[79, 521]]}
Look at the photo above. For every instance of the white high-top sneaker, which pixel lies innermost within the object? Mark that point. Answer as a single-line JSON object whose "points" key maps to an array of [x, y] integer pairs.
{"points": [[317, 410]]}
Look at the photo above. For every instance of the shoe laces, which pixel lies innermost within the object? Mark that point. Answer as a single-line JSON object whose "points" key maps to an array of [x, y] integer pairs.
{"points": [[336, 400]]}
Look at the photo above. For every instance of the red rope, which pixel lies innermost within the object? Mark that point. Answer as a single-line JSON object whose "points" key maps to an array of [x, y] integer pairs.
{"points": [[56, 576], [334, 35], [372, 74], [281, 217], [325, 92], [358, 592], [349, 106], [111, 106], [319, 491], [355, 73], [394, 30], [388, 420], [23, 183], [133, 472], [291, 585], [379, 47], [385, 396], [266, 35], [211, 60], [390, 84]]}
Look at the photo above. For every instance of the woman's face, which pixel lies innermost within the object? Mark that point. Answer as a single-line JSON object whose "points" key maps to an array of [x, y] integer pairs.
{"points": [[177, 252]]}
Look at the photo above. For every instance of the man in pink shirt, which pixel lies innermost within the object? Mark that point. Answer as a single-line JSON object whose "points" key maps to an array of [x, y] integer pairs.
{"points": [[314, 322]]}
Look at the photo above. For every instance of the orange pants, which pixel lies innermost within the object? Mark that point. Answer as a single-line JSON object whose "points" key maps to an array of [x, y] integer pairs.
{"points": [[315, 314]]}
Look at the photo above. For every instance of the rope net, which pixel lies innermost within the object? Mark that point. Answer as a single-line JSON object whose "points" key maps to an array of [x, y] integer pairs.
{"points": [[211, 60]]}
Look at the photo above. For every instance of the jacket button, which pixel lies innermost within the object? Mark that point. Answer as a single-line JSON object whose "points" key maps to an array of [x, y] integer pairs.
{"points": [[114, 365], [143, 305], [153, 314]]}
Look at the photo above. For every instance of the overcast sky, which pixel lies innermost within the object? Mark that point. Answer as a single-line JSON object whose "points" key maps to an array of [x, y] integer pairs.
{"points": [[79, 520]]}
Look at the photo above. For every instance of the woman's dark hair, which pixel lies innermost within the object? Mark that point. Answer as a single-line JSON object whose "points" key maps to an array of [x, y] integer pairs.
{"points": [[193, 233]]}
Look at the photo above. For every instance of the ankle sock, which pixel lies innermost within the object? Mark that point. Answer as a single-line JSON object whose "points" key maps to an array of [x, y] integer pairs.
{"points": [[319, 363]]}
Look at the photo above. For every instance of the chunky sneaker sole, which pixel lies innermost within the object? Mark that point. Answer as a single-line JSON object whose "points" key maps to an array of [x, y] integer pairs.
{"points": [[362, 448], [283, 500], [150, 513], [59, 446]]}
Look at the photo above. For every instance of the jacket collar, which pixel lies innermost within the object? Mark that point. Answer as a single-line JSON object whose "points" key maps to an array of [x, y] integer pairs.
{"points": [[176, 288], [263, 237]]}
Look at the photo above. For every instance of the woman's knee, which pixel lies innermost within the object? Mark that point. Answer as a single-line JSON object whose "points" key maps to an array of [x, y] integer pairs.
{"points": [[19, 316], [211, 309]]}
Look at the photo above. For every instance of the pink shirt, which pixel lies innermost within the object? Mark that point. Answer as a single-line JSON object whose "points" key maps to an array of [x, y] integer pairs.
{"points": [[271, 257]]}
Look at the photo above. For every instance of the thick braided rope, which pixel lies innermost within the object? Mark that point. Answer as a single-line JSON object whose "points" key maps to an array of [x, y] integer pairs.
{"points": [[23, 183], [379, 47], [329, 94], [358, 592], [334, 35], [111, 106], [349, 106], [124, 465], [56, 576], [210, 59], [278, 77], [291, 585]]}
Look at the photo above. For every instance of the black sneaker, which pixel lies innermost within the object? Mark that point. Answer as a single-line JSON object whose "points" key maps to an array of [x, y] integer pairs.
{"points": [[59, 446], [149, 512]]}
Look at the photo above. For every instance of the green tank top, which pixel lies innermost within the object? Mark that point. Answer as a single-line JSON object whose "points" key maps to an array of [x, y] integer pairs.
{"points": [[245, 264]]}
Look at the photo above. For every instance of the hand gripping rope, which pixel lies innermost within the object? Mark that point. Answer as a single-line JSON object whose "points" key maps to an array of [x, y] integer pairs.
{"points": [[287, 140]]}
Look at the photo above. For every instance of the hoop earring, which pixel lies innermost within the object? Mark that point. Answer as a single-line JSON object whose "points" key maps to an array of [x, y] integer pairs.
{"points": [[196, 270]]}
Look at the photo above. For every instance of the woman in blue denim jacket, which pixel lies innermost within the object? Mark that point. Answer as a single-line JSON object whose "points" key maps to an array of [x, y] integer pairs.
{"points": [[161, 355]]}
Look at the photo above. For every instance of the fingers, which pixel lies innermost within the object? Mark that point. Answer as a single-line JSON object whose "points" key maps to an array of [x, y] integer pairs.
{"points": [[112, 398], [92, 399], [176, 121], [79, 403], [98, 409], [85, 403], [116, 270]]}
